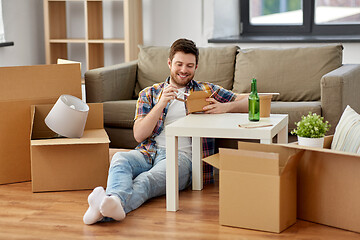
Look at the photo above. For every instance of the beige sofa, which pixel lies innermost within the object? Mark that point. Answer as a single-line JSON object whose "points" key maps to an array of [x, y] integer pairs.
{"points": [[308, 79]]}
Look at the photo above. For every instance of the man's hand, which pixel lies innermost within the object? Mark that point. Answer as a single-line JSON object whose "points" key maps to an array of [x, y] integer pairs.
{"points": [[168, 94], [239, 105], [216, 107]]}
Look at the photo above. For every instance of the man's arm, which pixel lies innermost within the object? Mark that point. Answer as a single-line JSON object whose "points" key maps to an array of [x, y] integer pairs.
{"points": [[144, 127], [239, 105]]}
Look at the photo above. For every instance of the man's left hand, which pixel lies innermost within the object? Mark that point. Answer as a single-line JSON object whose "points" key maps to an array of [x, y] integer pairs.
{"points": [[215, 106]]}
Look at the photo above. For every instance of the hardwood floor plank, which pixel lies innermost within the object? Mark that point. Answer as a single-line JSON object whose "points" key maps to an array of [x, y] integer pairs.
{"points": [[58, 215]]}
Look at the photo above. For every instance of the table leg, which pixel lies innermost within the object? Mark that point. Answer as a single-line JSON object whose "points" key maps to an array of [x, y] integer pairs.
{"points": [[282, 136], [197, 166], [172, 174]]}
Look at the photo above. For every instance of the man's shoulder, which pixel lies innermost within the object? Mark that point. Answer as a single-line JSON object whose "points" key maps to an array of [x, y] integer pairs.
{"points": [[201, 85], [152, 89]]}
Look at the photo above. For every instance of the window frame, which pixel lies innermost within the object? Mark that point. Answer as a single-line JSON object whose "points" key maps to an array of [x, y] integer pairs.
{"points": [[307, 28]]}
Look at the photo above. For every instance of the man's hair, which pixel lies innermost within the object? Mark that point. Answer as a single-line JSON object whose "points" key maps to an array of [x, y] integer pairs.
{"points": [[186, 46]]}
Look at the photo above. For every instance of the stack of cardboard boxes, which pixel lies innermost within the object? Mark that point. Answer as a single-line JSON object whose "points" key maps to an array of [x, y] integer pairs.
{"points": [[266, 187], [52, 164]]}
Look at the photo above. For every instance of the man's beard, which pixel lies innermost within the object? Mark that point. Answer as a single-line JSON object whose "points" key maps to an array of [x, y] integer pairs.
{"points": [[179, 82]]}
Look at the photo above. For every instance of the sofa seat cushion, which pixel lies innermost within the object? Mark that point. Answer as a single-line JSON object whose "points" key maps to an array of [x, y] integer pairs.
{"points": [[121, 138], [293, 72], [295, 110], [216, 65], [119, 113]]}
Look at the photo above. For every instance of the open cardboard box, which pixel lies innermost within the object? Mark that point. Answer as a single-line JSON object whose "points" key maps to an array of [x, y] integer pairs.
{"points": [[21, 87], [257, 186], [197, 100], [59, 163], [329, 186]]}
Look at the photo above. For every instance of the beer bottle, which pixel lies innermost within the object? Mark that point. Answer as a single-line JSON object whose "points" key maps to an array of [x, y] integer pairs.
{"points": [[254, 102]]}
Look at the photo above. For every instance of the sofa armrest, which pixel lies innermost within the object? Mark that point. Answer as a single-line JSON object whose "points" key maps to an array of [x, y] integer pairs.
{"points": [[339, 88], [111, 83]]}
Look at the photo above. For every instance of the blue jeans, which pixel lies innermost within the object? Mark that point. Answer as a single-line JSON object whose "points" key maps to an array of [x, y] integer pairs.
{"points": [[134, 180]]}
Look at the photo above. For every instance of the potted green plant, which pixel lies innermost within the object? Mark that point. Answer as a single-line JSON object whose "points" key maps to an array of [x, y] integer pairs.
{"points": [[311, 130]]}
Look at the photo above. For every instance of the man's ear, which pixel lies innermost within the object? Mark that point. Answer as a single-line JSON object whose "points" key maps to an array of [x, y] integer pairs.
{"points": [[169, 63], [196, 66]]}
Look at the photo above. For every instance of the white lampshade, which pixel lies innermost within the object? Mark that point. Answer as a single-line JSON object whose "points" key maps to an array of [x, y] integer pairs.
{"points": [[68, 116]]}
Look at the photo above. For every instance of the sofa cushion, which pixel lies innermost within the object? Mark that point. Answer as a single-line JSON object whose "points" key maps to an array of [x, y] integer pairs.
{"points": [[152, 66], [295, 110], [119, 113], [293, 72], [347, 132], [216, 65]]}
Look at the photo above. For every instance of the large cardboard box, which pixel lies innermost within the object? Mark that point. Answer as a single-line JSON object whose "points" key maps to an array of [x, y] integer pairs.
{"points": [[21, 87], [329, 187], [59, 163], [257, 186]]}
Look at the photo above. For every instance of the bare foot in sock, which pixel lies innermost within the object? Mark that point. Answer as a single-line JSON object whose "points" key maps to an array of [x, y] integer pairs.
{"points": [[111, 207], [93, 213]]}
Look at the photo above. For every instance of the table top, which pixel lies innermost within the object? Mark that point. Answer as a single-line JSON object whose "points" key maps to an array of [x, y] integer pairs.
{"points": [[225, 125]]}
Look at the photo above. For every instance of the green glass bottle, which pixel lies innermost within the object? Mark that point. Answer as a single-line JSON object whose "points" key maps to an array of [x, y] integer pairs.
{"points": [[254, 102]]}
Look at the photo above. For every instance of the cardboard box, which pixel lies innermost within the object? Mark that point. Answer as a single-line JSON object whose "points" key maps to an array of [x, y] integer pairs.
{"points": [[59, 164], [21, 87], [197, 100], [328, 187], [257, 186]]}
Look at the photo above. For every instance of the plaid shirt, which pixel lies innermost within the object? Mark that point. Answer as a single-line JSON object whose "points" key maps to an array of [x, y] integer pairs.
{"points": [[149, 96]]}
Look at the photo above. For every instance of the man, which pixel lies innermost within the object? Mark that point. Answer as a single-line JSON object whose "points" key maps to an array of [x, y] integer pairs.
{"points": [[138, 175]]}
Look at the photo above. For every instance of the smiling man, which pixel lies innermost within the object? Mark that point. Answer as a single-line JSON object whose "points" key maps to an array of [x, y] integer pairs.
{"points": [[138, 175]]}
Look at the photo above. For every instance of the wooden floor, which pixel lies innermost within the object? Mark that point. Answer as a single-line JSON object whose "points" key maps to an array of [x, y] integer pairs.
{"points": [[58, 215]]}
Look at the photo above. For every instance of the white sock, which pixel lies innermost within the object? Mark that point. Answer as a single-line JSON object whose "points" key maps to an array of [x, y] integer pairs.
{"points": [[93, 214], [111, 207]]}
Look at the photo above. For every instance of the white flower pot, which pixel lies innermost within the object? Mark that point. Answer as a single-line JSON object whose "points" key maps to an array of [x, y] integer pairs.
{"points": [[311, 142]]}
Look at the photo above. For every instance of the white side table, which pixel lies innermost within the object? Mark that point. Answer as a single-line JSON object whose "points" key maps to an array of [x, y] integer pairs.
{"points": [[223, 125]]}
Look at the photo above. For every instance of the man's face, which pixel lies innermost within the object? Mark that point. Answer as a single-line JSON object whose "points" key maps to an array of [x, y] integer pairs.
{"points": [[182, 69]]}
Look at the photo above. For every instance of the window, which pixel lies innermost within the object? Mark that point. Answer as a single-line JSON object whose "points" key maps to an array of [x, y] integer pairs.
{"points": [[3, 43], [300, 17], [2, 32]]}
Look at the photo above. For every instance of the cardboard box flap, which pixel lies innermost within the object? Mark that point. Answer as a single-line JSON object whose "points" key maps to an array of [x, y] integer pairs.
{"points": [[63, 79], [95, 119], [39, 130], [197, 100], [213, 160], [199, 95], [284, 152], [249, 161], [328, 141], [292, 162], [327, 148], [92, 136]]}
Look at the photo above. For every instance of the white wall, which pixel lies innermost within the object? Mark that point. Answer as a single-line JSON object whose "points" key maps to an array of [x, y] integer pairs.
{"points": [[23, 24], [164, 21]]}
